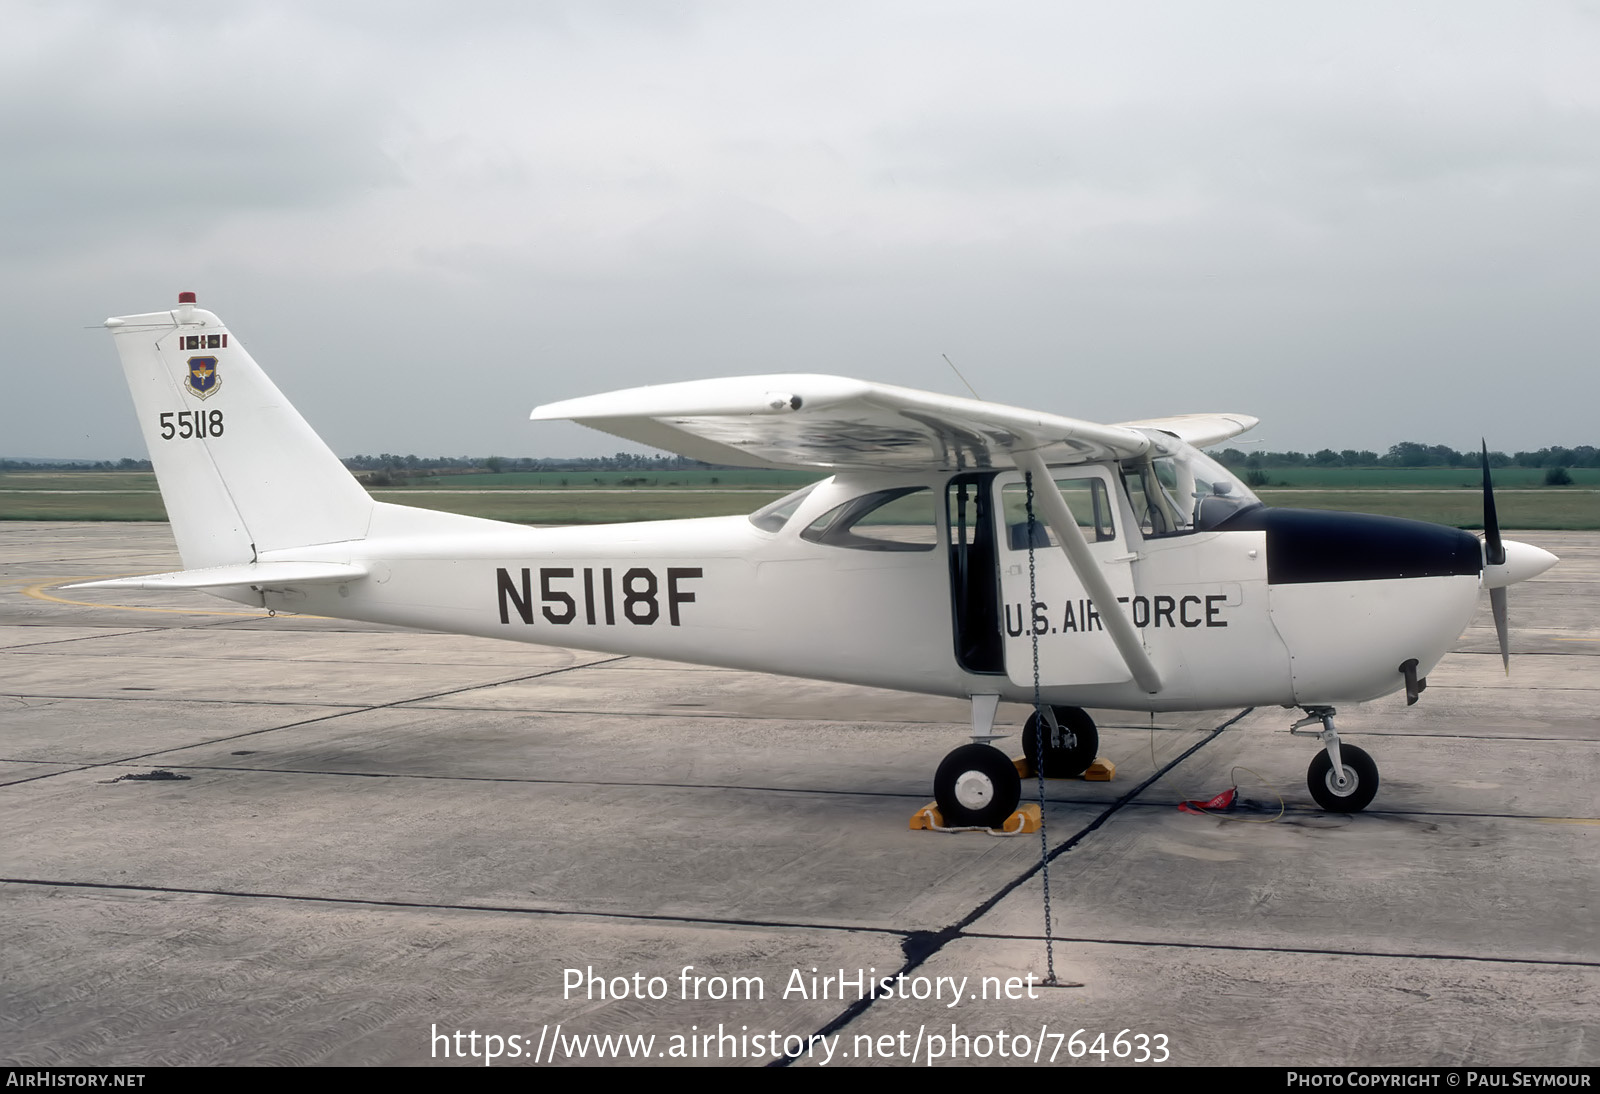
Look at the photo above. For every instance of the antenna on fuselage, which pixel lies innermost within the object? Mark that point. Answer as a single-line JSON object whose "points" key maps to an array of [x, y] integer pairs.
{"points": [[960, 377]]}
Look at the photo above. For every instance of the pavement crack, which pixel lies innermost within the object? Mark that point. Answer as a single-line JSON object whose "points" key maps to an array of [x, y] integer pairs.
{"points": [[923, 945], [1319, 951], [80, 638], [435, 905], [321, 718]]}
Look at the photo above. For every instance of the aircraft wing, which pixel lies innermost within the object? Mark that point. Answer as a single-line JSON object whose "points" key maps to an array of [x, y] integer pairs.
{"points": [[1199, 430], [827, 422]]}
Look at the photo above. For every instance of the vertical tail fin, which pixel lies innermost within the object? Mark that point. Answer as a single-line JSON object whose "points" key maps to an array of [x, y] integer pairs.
{"points": [[240, 471]]}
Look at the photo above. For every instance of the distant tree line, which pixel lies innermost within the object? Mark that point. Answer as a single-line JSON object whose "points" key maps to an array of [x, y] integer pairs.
{"points": [[1411, 454], [387, 461], [75, 465], [622, 461], [1404, 454]]}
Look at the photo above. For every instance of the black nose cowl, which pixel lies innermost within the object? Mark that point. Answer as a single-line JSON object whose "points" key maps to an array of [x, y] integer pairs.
{"points": [[1306, 545]]}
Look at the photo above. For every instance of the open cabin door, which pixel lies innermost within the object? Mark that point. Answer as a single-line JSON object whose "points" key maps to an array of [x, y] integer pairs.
{"points": [[1074, 646]]}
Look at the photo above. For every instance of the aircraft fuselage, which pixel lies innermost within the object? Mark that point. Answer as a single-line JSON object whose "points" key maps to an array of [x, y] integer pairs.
{"points": [[1224, 622]]}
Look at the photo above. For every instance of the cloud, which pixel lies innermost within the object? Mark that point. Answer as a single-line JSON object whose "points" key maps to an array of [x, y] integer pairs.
{"points": [[1108, 210], [122, 127]]}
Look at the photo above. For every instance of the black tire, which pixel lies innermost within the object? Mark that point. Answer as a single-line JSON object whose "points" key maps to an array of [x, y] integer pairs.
{"points": [[976, 786], [1063, 762], [1358, 767]]}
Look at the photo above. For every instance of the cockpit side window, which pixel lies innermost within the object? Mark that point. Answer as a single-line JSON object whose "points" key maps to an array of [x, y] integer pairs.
{"points": [[1152, 506], [902, 519], [1181, 493]]}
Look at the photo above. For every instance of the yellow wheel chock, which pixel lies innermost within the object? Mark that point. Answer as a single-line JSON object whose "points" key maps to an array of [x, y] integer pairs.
{"points": [[1027, 818]]}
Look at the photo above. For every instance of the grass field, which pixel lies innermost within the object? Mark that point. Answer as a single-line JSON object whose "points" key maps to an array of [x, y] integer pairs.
{"points": [[1361, 478], [1432, 494], [738, 479], [1565, 507], [78, 481], [596, 497]]}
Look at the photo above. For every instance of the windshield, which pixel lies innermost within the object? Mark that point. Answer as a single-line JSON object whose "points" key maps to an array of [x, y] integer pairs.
{"points": [[772, 518], [1185, 492]]}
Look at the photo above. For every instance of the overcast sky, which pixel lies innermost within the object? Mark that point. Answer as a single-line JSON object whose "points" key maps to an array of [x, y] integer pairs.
{"points": [[1362, 222]]}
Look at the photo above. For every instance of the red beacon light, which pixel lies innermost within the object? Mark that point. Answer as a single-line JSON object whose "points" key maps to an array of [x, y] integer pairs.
{"points": [[185, 312]]}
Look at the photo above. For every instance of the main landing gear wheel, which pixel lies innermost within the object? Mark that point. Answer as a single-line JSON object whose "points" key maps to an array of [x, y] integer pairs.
{"points": [[1070, 755], [976, 787], [1360, 781]]}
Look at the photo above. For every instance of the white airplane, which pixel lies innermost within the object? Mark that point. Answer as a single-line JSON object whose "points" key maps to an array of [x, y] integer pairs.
{"points": [[960, 548]]}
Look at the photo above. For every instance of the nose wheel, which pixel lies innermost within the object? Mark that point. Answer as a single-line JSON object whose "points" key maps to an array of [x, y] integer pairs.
{"points": [[1350, 791], [1342, 778], [977, 786]]}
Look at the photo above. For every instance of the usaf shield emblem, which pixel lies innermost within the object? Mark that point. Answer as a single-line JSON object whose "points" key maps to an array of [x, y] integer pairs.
{"points": [[202, 380]]}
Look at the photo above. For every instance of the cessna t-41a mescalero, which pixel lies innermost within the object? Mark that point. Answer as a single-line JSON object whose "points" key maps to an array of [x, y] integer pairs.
{"points": [[960, 548]]}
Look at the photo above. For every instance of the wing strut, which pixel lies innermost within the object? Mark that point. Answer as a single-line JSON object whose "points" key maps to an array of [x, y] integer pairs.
{"points": [[1059, 517]]}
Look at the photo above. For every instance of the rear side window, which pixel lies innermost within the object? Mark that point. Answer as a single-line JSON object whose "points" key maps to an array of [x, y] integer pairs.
{"points": [[903, 519]]}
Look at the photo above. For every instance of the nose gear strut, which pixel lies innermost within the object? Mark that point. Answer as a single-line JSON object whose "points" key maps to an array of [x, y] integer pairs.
{"points": [[1342, 778]]}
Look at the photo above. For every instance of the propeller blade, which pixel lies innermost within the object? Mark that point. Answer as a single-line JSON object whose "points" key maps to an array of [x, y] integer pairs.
{"points": [[1497, 601], [1494, 551]]}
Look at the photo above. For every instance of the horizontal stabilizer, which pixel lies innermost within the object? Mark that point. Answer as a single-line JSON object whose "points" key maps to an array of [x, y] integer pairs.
{"points": [[264, 575]]}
